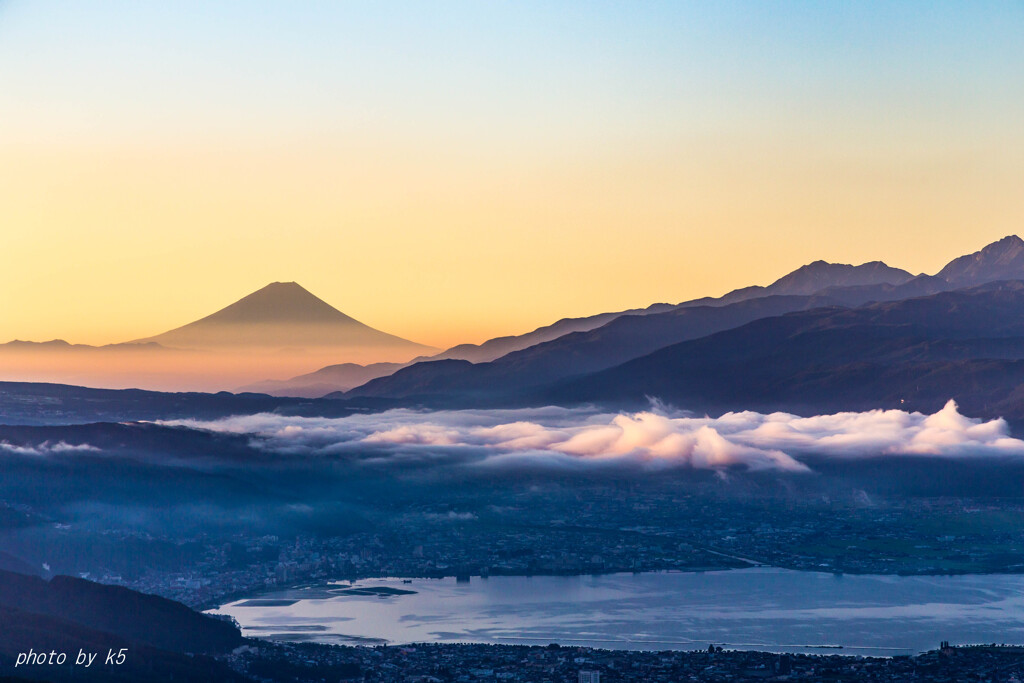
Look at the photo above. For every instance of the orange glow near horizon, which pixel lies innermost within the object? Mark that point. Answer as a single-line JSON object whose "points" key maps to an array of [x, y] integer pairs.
{"points": [[119, 244], [453, 175]]}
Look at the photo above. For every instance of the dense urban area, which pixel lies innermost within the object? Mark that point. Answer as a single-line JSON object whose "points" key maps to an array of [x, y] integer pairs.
{"points": [[577, 532], [467, 663]]}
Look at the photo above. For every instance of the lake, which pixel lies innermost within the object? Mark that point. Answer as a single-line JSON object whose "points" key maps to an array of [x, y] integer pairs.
{"points": [[755, 609]]}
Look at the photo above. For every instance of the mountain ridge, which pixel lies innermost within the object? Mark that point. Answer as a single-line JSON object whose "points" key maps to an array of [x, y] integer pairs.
{"points": [[1000, 260], [914, 354], [611, 344], [800, 281], [282, 328]]}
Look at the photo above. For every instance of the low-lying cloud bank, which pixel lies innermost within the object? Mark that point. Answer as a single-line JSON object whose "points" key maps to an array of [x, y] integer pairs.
{"points": [[579, 437], [46, 448]]}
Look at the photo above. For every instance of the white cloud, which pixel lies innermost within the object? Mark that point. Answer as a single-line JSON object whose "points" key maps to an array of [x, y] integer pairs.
{"points": [[561, 437], [46, 448]]}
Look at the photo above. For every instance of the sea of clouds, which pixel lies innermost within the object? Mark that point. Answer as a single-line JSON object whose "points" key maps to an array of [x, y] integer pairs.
{"points": [[658, 437]]}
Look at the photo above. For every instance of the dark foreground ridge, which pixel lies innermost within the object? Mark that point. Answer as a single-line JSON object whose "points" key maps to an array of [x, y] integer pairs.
{"points": [[160, 640]]}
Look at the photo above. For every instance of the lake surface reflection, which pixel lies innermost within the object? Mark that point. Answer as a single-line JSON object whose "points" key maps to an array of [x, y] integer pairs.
{"points": [[761, 608]]}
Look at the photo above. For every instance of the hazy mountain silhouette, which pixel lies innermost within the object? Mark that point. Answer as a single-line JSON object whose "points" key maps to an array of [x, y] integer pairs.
{"points": [[340, 377], [345, 376], [283, 330], [815, 277], [493, 349], [621, 339], [805, 280], [279, 331], [61, 346], [45, 403], [627, 337], [915, 354], [283, 315], [819, 275], [1002, 260]]}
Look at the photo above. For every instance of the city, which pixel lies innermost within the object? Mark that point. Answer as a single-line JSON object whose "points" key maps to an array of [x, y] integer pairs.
{"points": [[579, 531], [469, 663]]}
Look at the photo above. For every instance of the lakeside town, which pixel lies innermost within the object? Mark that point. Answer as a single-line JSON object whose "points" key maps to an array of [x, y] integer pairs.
{"points": [[572, 534], [471, 663]]}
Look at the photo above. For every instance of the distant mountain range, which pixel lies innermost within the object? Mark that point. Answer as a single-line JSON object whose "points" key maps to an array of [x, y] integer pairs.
{"points": [[281, 316], [330, 379], [623, 338], [815, 277], [912, 354], [805, 280], [909, 343], [530, 372], [344, 376], [284, 327], [279, 329], [1002, 260], [41, 403]]}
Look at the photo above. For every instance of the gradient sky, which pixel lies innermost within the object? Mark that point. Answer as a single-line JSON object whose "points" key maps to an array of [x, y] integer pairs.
{"points": [[454, 171]]}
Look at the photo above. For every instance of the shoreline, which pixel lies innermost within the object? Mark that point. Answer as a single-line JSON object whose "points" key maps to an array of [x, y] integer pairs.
{"points": [[727, 612], [258, 591]]}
